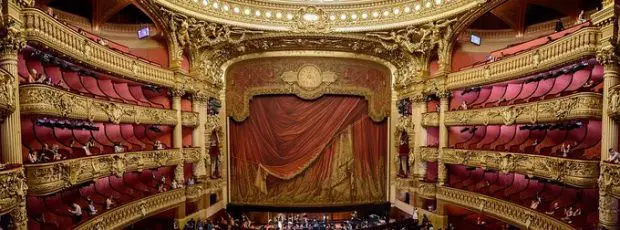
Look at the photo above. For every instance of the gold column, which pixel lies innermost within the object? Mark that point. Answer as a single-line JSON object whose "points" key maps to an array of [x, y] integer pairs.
{"points": [[10, 131], [443, 137], [177, 135], [419, 166], [198, 134]]}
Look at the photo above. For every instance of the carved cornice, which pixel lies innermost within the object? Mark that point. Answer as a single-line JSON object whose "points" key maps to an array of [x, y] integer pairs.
{"points": [[428, 154], [129, 213], [190, 119], [42, 29], [430, 119], [576, 106], [579, 173], [568, 49], [503, 210], [47, 100], [370, 16], [12, 189], [608, 182], [51, 177]]}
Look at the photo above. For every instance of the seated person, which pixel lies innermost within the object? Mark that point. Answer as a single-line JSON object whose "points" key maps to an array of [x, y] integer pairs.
{"points": [[158, 145], [91, 208], [555, 207], [33, 75], [118, 148], [33, 156], [570, 213], [109, 203], [614, 156], [87, 147], [76, 213]]}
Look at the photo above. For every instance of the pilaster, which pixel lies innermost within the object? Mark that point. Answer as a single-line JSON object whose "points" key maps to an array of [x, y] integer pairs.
{"points": [[199, 105], [419, 107], [442, 173]]}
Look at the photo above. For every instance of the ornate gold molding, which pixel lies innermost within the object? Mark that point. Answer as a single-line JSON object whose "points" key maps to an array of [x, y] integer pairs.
{"points": [[503, 210], [576, 106], [47, 100], [191, 155], [129, 213], [12, 189], [568, 49], [614, 102], [7, 94], [42, 29], [51, 177], [189, 119], [194, 192], [428, 154], [579, 173], [608, 181], [426, 190], [378, 15]]}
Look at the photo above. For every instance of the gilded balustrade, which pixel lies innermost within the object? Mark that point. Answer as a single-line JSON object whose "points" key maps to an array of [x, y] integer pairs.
{"points": [[608, 182], [47, 100], [42, 29], [191, 155], [430, 119], [189, 119], [426, 190], [129, 213], [47, 178], [579, 173], [568, 49], [429, 154], [584, 105], [504, 210], [12, 189]]}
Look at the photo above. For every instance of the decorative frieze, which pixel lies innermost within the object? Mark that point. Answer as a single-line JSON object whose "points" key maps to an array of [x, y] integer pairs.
{"points": [[191, 155], [579, 173], [42, 29], [129, 213], [504, 210], [47, 100], [576, 106], [426, 190], [568, 49], [608, 182], [51, 177], [189, 119], [428, 154], [12, 189]]}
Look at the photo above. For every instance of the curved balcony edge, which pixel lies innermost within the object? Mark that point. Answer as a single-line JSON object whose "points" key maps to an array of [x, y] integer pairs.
{"points": [[47, 178], [42, 29], [568, 49], [429, 154], [503, 210], [579, 173], [132, 212], [47, 100], [585, 105], [12, 189], [608, 182]]}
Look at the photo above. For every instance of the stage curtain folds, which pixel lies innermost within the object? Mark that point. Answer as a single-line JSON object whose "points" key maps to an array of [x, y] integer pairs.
{"points": [[321, 151]]}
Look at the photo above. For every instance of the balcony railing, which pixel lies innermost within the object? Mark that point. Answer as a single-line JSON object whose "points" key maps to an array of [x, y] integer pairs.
{"points": [[577, 106], [504, 210], [579, 173], [609, 182], [12, 189], [42, 99], [51, 177], [429, 154], [132, 212], [42, 29], [567, 49]]}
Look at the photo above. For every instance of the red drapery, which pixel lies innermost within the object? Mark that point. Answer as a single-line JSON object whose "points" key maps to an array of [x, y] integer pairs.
{"points": [[292, 144]]}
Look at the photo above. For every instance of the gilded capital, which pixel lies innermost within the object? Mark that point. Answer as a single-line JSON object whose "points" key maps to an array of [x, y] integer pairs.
{"points": [[607, 56]]}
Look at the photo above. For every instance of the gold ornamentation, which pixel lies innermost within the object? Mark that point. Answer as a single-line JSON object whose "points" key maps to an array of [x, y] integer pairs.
{"points": [[429, 154], [580, 173], [311, 19], [309, 77], [567, 49], [7, 93], [503, 210], [189, 119], [12, 193], [47, 100], [576, 106], [129, 213], [51, 177]]}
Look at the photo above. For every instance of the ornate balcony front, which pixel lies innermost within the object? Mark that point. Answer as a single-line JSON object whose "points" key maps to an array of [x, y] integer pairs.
{"points": [[48, 178], [578, 173], [42, 29], [577, 106], [504, 210], [191, 155], [426, 190], [46, 100], [190, 119], [571, 48], [609, 182], [429, 154], [132, 212]]}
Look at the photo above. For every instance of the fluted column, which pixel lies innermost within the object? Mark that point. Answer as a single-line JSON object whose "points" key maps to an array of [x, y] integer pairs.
{"points": [[198, 134], [177, 135], [419, 108], [442, 173]]}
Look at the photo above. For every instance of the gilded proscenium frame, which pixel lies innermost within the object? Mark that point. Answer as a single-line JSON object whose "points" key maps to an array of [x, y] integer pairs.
{"points": [[41, 28], [12, 190], [47, 178], [129, 213], [579, 173], [307, 94], [40, 99], [504, 210], [586, 105], [570, 48], [282, 23]]}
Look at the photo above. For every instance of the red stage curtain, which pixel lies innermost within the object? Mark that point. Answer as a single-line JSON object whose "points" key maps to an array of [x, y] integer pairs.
{"points": [[291, 144]]}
